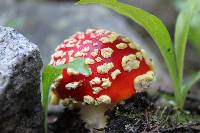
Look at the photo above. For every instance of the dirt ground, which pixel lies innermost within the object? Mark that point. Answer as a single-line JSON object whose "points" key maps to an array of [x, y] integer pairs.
{"points": [[143, 113]]}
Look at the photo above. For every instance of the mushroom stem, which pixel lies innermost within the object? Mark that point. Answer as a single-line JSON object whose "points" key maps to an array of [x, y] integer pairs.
{"points": [[94, 116], [54, 99]]}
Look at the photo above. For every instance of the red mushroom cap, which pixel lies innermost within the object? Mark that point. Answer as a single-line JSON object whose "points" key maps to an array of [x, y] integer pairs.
{"points": [[119, 68]]}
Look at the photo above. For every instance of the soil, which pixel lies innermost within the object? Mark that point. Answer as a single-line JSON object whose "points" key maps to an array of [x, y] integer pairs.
{"points": [[142, 113], [68, 122]]}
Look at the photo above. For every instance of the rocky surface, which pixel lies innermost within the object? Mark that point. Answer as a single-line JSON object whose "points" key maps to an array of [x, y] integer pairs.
{"points": [[20, 98]]}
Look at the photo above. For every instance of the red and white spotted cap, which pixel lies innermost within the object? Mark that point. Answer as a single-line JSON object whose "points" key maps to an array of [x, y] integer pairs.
{"points": [[119, 68]]}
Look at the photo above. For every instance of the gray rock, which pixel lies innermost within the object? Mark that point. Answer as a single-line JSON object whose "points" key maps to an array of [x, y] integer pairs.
{"points": [[20, 102]]}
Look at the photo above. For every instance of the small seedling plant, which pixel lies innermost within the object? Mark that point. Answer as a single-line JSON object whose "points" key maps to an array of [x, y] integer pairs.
{"points": [[50, 73], [173, 54]]}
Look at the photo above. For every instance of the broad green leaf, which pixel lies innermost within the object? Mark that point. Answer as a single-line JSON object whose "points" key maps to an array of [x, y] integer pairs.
{"points": [[52, 72], [153, 26], [181, 33]]}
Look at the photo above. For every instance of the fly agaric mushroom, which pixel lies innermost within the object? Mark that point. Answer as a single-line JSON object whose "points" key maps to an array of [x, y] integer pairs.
{"points": [[119, 69]]}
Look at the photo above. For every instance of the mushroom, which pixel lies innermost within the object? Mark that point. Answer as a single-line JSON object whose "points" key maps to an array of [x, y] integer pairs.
{"points": [[119, 69]]}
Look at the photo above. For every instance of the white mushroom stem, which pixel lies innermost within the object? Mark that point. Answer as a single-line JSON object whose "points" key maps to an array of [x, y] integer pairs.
{"points": [[94, 115]]}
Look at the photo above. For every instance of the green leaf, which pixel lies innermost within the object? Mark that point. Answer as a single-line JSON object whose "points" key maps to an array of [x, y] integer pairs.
{"points": [[82, 67], [194, 33], [52, 72], [191, 81], [153, 26], [181, 33], [48, 75], [179, 4], [187, 86]]}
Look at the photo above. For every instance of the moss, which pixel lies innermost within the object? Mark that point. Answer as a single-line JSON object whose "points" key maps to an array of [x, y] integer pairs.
{"points": [[182, 117]]}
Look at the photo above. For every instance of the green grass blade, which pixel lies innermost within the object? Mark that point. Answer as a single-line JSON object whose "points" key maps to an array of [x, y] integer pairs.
{"points": [[191, 81], [153, 26], [50, 73], [187, 86], [181, 33]]}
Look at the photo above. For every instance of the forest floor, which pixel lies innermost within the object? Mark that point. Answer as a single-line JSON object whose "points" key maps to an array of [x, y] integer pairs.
{"points": [[143, 113]]}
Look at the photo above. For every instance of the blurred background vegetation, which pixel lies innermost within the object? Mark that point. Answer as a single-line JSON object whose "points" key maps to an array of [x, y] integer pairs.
{"points": [[48, 22]]}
